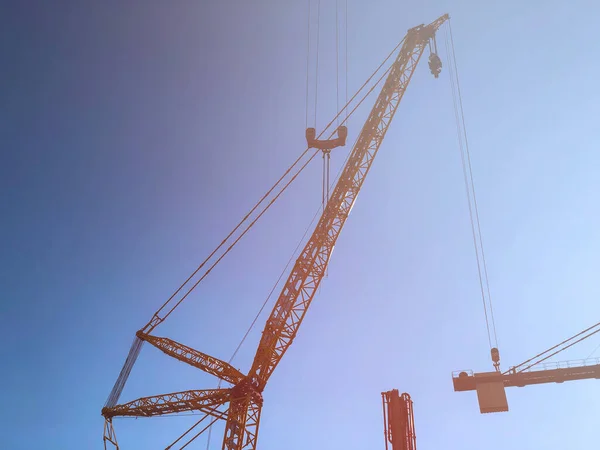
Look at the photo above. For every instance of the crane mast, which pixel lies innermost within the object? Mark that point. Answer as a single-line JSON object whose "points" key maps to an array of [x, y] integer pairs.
{"points": [[245, 397]]}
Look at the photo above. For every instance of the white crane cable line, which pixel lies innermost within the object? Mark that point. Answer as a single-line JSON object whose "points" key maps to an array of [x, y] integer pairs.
{"points": [[470, 188]]}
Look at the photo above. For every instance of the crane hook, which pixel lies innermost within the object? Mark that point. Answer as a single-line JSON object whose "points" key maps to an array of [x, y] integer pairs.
{"points": [[435, 64]]}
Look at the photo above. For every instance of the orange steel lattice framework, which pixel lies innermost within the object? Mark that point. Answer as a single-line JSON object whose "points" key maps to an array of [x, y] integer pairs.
{"points": [[245, 398]]}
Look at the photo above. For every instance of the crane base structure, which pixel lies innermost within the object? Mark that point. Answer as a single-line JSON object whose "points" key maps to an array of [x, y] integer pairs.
{"points": [[490, 386]]}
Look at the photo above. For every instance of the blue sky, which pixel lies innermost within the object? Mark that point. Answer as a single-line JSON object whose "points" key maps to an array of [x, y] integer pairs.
{"points": [[136, 134]]}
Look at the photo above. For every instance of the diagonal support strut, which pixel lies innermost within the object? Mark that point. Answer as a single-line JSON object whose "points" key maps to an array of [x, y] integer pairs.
{"points": [[188, 355], [207, 401]]}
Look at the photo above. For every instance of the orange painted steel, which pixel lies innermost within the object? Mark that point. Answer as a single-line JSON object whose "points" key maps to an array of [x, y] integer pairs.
{"points": [[245, 397]]}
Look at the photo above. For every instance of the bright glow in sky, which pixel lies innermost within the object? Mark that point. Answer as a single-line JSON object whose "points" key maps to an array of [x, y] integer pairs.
{"points": [[136, 134]]}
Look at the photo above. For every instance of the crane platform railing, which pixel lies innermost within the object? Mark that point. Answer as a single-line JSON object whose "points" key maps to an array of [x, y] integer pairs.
{"points": [[573, 363], [490, 386]]}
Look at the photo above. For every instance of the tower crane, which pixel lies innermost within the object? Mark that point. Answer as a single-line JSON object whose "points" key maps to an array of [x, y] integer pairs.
{"points": [[245, 396], [490, 386]]}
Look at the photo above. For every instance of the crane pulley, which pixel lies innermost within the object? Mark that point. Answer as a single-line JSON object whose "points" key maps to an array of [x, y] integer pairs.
{"points": [[326, 145], [435, 63]]}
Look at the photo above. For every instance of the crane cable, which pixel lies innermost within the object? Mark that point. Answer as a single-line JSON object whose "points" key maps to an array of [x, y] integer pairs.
{"points": [[346, 51], [317, 61], [593, 351], [285, 269], [235, 241], [156, 320], [326, 153], [475, 223], [348, 115], [137, 342], [470, 189], [337, 58], [210, 424], [257, 316], [307, 61], [529, 366]]}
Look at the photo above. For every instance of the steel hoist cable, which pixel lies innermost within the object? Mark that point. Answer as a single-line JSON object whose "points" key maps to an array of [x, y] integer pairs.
{"points": [[595, 328], [156, 318], [349, 114], [465, 155]]}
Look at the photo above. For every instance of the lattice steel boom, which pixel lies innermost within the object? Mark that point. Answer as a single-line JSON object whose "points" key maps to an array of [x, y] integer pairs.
{"points": [[301, 285], [245, 396], [188, 355], [207, 401]]}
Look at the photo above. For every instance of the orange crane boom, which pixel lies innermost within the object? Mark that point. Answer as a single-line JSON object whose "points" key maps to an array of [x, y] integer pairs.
{"points": [[245, 397]]}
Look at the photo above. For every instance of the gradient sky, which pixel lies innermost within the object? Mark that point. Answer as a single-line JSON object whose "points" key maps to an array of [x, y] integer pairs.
{"points": [[136, 134]]}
